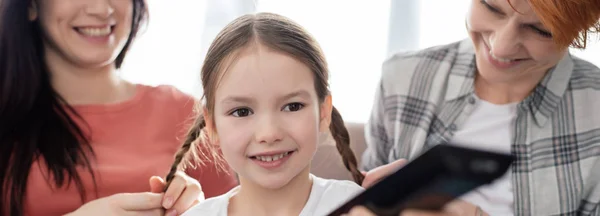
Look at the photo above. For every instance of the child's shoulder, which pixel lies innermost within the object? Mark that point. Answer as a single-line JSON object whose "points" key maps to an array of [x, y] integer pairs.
{"points": [[336, 186], [328, 194], [215, 206]]}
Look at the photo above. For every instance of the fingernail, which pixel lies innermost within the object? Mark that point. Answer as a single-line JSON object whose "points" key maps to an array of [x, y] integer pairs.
{"points": [[172, 213], [168, 202]]}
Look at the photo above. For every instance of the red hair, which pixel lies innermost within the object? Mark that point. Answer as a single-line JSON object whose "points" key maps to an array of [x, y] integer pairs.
{"points": [[569, 21]]}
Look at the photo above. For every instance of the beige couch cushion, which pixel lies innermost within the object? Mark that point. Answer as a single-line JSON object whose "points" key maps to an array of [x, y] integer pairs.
{"points": [[327, 162]]}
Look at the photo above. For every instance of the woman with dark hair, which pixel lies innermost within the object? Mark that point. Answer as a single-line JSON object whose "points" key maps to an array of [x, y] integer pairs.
{"points": [[72, 131]]}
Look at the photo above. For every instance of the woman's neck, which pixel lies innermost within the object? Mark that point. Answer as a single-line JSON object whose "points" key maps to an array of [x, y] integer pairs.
{"points": [[504, 93], [287, 200], [79, 85]]}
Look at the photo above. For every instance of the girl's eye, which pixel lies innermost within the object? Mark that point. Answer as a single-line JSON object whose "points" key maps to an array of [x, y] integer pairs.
{"points": [[293, 107], [242, 112]]}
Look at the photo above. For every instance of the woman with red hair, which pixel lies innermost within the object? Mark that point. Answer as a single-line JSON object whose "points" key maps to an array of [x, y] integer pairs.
{"points": [[511, 87]]}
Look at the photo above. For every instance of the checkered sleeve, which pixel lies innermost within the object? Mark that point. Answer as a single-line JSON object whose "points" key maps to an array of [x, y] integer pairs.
{"points": [[378, 146], [590, 204]]}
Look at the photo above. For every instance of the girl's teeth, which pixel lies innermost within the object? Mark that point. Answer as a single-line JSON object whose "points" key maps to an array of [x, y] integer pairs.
{"points": [[95, 31], [271, 158]]}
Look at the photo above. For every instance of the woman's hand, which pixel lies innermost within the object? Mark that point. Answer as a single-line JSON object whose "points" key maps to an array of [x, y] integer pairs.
{"points": [[372, 177], [377, 174], [455, 208], [126, 204], [183, 193]]}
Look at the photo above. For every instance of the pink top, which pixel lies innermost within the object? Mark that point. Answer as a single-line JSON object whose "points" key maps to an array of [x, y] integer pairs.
{"points": [[133, 141]]}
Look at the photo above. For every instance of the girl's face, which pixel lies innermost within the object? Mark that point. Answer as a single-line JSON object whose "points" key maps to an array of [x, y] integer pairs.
{"points": [[267, 117], [85, 33]]}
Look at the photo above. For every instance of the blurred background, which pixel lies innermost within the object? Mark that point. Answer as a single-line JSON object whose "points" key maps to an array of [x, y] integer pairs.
{"points": [[356, 36]]}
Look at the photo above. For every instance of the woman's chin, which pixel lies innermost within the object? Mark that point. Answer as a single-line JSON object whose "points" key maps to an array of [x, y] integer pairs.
{"points": [[94, 59]]}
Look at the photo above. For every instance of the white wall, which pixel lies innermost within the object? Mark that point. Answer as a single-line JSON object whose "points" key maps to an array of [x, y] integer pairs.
{"points": [[354, 35]]}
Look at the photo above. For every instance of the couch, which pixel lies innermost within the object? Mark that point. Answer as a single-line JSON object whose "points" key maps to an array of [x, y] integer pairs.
{"points": [[327, 162]]}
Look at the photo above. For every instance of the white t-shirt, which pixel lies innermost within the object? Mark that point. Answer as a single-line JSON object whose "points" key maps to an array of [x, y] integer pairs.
{"points": [[490, 127], [325, 196]]}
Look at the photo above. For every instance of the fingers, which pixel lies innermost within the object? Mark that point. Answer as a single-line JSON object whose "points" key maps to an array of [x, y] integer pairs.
{"points": [[360, 211], [182, 194], [188, 198], [138, 201], [157, 184], [460, 207], [175, 189], [381, 172], [423, 213], [155, 212], [399, 163]]}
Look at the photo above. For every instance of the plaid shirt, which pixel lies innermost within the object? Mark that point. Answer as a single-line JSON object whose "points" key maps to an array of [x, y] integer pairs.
{"points": [[424, 96]]}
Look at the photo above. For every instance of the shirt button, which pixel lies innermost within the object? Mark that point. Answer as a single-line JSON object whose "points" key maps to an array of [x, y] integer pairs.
{"points": [[471, 100], [453, 127]]}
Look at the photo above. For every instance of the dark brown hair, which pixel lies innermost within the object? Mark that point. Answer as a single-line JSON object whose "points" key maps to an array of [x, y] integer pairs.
{"points": [[36, 123], [280, 34]]}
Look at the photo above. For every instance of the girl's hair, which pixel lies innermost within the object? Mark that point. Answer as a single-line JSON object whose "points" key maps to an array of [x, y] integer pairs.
{"points": [[282, 35], [569, 21], [36, 122]]}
